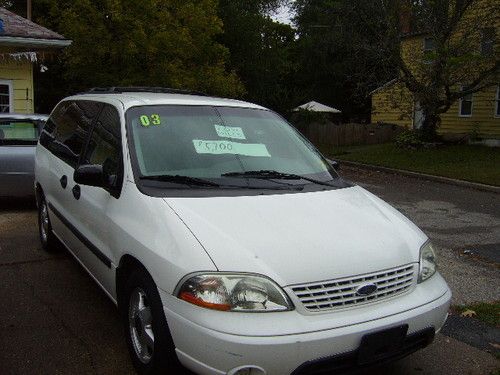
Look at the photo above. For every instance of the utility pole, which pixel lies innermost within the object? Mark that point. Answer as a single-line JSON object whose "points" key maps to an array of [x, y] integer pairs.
{"points": [[28, 9]]}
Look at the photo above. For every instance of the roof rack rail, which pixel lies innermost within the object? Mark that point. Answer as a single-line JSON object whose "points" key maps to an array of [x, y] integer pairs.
{"points": [[158, 90]]}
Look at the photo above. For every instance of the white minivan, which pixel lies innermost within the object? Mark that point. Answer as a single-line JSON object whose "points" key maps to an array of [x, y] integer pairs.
{"points": [[228, 242]]}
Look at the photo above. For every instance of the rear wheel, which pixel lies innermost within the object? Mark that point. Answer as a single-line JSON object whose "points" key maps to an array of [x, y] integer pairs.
{"points": [[47, 237], [148, 336]]}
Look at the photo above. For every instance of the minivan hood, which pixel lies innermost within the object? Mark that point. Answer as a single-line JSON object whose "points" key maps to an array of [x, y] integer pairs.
{"points": [[302, 237]]}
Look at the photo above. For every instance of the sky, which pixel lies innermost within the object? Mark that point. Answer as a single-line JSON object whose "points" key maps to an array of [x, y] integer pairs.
{"points": [[284, 15]]}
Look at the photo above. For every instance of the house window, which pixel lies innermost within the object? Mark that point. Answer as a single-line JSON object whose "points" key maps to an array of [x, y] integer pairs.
{"points": [[6, 97], [497, 102], [429, 44], [465, 105], [487, 41]]}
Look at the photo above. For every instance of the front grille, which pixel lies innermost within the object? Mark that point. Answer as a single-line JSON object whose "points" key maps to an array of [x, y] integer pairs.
{"points": [[341, 293]]}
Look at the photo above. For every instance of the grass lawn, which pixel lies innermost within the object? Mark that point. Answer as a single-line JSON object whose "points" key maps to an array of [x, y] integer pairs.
{"points": [[470, 163], [487, 312]]}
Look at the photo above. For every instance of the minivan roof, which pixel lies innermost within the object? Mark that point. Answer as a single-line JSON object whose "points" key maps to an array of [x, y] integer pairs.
{"points": [[134, 99]]}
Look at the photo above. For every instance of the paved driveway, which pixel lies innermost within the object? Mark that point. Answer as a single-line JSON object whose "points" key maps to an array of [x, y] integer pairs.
{"points": [[55, 320]]}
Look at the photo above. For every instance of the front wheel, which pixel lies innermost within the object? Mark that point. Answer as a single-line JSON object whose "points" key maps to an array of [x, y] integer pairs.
{"points": [[47, 237], [148, 337]]}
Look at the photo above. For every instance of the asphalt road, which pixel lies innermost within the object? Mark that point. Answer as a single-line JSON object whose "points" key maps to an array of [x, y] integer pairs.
{"points": [[55, 320]]}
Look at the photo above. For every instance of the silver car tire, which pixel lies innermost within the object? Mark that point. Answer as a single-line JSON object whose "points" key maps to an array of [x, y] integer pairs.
{"points": [[148, 337], [47, 238]]}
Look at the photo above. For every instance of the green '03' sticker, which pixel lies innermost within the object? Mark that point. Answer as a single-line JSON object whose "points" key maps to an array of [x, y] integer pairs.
{"points": [[153, 119]]}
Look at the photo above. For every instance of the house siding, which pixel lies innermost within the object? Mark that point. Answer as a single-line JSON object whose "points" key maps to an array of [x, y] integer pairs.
{"points": [[483, 120], [393, 105], [21, 75]]}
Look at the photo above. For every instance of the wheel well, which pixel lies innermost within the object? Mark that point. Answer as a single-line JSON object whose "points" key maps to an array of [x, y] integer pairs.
{"points": [[127, 264]]}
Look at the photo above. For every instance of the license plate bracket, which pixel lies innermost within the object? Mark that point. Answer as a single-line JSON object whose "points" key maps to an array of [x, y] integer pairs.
{"points": [[382, 344]]}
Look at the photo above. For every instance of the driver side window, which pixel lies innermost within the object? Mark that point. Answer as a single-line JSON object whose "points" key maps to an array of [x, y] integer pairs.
{"points": [[105, 148]]}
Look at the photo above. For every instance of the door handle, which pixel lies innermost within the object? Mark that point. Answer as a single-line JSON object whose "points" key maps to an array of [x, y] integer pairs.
{"points": [[64, 181], [76, 191]]}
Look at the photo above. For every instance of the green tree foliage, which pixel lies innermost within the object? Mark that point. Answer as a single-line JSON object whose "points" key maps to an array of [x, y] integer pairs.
{"points": [[261, 51], [136, 43], [335, 52]]}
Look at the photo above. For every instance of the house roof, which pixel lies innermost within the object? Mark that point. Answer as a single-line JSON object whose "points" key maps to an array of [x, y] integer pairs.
{"points": [[316, 107], [387, 84], [20, 31]]}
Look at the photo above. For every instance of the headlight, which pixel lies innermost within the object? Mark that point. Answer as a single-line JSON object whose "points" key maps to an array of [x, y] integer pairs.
{"points": [[234, 292], [427, 262]]}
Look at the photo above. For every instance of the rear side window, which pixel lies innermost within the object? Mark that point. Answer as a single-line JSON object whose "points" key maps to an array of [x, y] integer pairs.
{"points": [[68, 128], [105, 146], [13, 131]]}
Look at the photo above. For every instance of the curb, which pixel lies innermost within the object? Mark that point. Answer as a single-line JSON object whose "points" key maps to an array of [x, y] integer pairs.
{"points": [[422, 176]]}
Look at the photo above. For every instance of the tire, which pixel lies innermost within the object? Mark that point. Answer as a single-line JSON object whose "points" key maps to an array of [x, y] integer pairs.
{"points": [[47, 238], [148, 337]]}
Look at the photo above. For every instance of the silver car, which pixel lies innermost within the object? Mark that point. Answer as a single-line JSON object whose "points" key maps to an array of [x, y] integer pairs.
{"points": [[18, 137]]}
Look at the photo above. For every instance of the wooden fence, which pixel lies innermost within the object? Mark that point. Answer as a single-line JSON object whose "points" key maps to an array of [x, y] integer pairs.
{"points": [[328, 135]]}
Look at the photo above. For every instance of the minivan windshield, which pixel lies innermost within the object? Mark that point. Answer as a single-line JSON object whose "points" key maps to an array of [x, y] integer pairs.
{"points": [[208, 142]]}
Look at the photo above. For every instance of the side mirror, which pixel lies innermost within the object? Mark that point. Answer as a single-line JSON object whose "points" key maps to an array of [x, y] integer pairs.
{"points": [[91, 175], [335, 164]]}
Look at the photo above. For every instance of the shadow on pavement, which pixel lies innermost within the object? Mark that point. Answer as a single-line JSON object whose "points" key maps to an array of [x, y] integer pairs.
{"points": [[17, 204]]}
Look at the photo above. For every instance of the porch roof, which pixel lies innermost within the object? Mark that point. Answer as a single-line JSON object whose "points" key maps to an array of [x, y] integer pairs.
{"points": [[18, 31]]}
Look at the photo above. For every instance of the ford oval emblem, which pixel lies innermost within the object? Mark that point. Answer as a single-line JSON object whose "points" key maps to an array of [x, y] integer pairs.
{"points": [[366, 290]]}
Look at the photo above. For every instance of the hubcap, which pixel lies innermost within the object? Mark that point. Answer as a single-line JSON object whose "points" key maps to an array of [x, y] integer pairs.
{"points": [[141, 325], [44, 222]]}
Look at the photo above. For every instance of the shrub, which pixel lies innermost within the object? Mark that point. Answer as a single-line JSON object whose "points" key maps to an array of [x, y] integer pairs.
{"points": [[304, 117], [409, 139]]}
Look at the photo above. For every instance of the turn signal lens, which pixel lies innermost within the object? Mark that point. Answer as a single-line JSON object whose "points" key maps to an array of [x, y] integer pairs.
{"points": [[209, 292]]}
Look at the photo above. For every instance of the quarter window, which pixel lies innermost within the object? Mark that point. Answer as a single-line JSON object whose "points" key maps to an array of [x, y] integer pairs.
{"points": [[465, 105]]}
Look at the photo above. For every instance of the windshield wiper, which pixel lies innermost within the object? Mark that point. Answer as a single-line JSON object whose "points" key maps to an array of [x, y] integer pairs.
{"points": [[271, 174], [199, 182], [186, 180]]}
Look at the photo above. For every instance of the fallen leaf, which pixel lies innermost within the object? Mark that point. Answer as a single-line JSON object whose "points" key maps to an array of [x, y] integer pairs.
{"points": [[468, 314], [495, 345]]}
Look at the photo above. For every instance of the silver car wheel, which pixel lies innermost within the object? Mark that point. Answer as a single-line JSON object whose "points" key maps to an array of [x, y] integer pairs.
{"points": [[141, 325], [44, 222]]}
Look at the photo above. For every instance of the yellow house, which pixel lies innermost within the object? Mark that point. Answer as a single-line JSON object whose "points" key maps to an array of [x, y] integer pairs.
{"points": [[23, 46], [476, 115]]}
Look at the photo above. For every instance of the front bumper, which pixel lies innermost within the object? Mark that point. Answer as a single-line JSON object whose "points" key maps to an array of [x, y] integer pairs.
{"points": [[219, 349]]}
